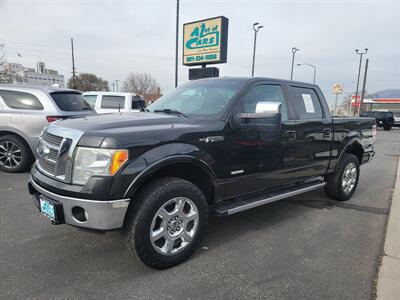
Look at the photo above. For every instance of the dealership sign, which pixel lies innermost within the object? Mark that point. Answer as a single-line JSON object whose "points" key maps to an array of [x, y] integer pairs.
{"points": [[205, 41]]}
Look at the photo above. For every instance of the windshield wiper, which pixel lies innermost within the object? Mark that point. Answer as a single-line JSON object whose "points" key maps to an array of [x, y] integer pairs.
{"points": [[144, 109], [171, 111]]}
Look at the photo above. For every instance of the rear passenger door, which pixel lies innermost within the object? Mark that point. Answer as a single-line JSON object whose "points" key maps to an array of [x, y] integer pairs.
{"points": [[313, 132]]}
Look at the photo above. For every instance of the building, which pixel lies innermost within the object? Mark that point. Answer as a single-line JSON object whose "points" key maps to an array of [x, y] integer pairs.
{"points": [[39, 76]]}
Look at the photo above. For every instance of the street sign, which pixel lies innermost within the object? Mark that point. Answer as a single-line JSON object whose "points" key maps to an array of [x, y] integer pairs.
{"points": [[337, 88], [205, 41]]}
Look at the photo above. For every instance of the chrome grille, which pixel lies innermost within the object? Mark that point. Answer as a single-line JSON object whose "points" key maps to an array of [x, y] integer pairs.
{"points": [[52, 139], [55, 151], [48, 166]]}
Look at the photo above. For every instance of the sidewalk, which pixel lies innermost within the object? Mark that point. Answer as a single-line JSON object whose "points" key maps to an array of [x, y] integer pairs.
{"points": [[389, 273]]}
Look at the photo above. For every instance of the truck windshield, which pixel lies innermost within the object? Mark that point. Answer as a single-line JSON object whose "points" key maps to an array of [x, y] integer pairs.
{"points": [[199, 98]]}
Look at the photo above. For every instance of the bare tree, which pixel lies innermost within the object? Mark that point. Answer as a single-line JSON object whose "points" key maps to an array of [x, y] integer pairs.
{"points": [[5, 76], [143, 84]]}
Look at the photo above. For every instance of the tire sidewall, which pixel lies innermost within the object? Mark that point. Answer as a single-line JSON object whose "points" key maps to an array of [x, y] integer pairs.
{"points": [[26, 156], [349, 158], [150, 207]]}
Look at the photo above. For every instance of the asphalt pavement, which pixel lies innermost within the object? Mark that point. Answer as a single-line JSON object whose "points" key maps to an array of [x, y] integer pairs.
{"points": [[305, 247]]}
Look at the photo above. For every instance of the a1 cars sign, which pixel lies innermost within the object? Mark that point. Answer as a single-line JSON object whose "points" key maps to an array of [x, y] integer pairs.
{"points": [[205, 41]]}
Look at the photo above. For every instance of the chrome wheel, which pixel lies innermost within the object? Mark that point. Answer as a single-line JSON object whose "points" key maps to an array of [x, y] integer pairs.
{"points": [[349, 177], [174, 226], [10, 155]]}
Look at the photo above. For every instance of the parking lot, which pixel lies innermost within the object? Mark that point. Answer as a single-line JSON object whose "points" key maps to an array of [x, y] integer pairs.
{"points": [[306, 247]]}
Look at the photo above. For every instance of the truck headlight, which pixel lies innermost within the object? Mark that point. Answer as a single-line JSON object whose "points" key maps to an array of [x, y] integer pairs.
{"points": [[90, 162]]}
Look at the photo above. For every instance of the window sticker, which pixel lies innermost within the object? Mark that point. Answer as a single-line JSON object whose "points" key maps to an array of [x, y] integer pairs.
{"points": [[308, 103]]}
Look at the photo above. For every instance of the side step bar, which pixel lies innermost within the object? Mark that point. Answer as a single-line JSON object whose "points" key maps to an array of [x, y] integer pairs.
{"points": [[235, 207]]}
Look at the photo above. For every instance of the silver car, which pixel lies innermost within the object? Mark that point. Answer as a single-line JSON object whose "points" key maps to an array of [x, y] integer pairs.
{"points": [[24, 111]]}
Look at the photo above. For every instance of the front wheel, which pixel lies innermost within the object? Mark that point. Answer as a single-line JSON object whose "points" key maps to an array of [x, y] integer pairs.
{"points": [[165, 225], [342, 184]]}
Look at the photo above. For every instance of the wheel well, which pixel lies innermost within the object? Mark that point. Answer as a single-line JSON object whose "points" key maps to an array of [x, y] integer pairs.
{"points": [[189, 172], [5, 132], [357, 150]]}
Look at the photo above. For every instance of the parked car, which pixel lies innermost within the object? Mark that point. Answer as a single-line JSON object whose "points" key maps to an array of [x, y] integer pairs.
{"points": [[24, 111], [111, 102], [219, 145], [383, 119]]}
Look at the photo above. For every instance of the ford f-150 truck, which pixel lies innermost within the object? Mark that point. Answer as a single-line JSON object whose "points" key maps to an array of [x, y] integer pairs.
{"points": [[220, 146]]}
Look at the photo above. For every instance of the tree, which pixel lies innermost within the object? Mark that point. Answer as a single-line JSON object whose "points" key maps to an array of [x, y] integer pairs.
{"points": [[5, 75], [88, 82], [143, 84]]}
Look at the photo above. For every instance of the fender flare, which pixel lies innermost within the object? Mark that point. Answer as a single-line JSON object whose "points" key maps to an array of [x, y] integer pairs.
{"points": [[164, 162]]}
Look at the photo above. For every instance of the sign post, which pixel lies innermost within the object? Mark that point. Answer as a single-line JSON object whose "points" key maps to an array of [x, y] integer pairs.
{"points": [[205, 42]]}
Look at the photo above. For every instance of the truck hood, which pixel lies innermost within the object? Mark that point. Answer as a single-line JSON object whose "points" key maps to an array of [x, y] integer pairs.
{"points": [[129, 129]]}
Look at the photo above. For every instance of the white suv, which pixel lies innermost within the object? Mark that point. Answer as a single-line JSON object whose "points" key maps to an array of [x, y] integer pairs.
{"points": [[24, 111], [111, 102]]}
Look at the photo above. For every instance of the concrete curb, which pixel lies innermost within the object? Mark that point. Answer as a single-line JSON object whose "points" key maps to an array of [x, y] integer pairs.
{"points": [[389, 274]]}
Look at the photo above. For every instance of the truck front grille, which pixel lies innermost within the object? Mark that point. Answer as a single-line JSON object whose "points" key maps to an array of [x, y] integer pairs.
{"points": [[52, 139], [55, 150], [47, 166]]}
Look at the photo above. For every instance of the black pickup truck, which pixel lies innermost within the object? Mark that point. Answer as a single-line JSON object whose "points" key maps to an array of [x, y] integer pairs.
{"points": [[217, 146]]}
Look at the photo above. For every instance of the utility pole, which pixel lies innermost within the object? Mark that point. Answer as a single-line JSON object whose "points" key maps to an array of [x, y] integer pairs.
{"points": [[176, 43], [116, 83], [256, 28], [73, 63], [358, 77], [360, 110], [294, 50]]}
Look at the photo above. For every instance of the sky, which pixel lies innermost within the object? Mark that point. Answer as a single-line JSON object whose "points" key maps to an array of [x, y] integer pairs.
{"points": [[115, 38]]}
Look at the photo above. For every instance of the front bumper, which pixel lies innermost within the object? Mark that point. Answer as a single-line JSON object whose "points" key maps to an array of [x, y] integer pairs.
{"points": [[100, 214]]}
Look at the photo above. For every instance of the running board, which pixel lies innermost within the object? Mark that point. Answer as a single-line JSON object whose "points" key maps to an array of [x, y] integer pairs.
{"points": [[235, 207]]}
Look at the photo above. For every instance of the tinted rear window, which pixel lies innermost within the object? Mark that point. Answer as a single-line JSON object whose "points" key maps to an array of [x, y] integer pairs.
{"points": [[114, 102], [68, 101], [21, 100]]}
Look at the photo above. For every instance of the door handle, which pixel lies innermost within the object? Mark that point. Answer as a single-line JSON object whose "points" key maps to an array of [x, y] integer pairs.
{"points": [[291, 135]]}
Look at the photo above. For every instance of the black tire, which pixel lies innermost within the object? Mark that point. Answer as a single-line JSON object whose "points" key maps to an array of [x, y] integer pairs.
{"points": [[139, 220], [25, 156], [387, 127], [334, 186]]}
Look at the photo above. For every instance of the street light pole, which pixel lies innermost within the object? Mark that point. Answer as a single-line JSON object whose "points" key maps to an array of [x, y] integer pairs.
{"points": [[358, 77], [294, 50], [312, 66], [256, 28]]}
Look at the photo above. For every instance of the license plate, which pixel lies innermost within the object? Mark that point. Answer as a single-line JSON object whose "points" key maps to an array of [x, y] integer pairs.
{"points": [[48, 209]]}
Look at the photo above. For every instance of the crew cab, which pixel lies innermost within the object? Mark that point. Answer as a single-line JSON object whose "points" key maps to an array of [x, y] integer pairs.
{"points": [[220, 146]]}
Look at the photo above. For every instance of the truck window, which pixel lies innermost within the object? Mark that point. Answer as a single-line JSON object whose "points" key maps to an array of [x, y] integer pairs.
{"points": [[114, 102], [91, 99], [306, 104], [138, 102], [20, 100], [263, 93]]}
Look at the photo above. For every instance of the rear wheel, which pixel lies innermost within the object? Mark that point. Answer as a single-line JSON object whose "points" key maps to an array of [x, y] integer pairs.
{"points": [[165, 226], [15, 156], [342, 184], [387, 127]]}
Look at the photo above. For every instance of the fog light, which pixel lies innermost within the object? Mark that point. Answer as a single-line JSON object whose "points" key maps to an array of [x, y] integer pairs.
{"points": [[79, 214]]}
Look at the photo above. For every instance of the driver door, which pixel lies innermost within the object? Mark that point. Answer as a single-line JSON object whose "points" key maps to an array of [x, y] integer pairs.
{"points": [[260, 159]]}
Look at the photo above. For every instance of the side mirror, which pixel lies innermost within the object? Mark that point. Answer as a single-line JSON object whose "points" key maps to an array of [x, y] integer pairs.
{"points": [[267, 117]]}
